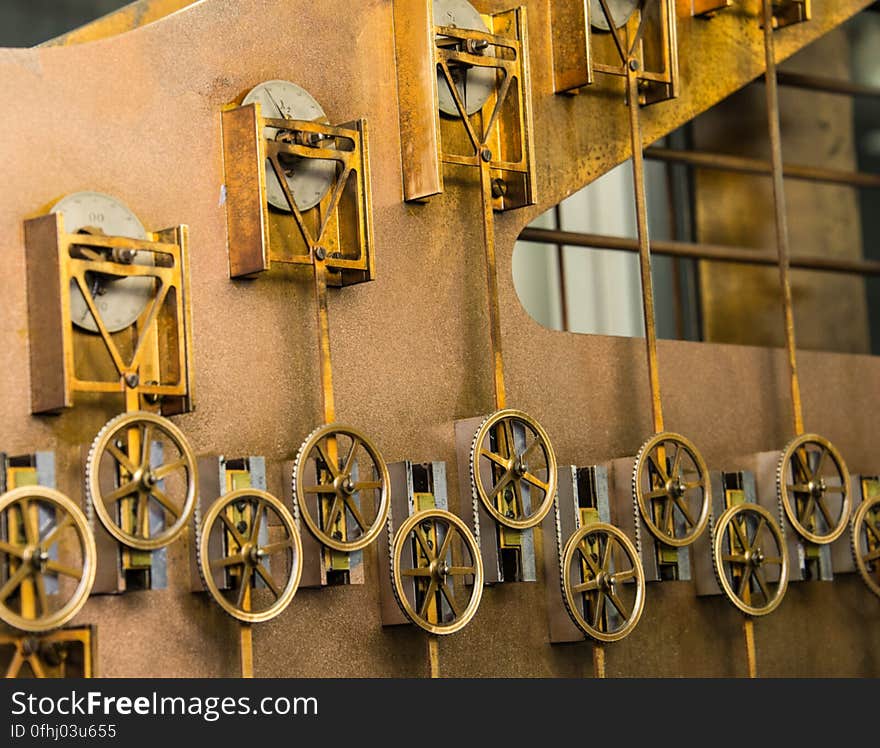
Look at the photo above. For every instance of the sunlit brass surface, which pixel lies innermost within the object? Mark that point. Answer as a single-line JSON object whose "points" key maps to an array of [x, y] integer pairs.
{"points": [[747, 542], [332, 481], [29, 550], [494, 441], [671, 488], [151, 359], [131, 16], [336, 234], [439, 555], [51, 655], [596, 559], [810, 472], [122, 482], [865, 541], [245, 555]]}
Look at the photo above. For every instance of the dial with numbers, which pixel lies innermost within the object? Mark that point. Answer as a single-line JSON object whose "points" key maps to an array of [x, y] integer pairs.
{"points": [[476, 84], [119, 300], [308, 179], [620, 10]]}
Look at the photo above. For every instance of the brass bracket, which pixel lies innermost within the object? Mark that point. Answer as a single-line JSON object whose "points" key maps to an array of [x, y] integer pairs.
{"points": [[501, 133], [648, 38], [339, 230], [65, 653], [150, 359], [790, 12], [708, 8]]}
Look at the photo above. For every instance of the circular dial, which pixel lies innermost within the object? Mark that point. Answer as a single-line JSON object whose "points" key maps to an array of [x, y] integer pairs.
{"points": [[603, 582], [49, 552], [475, 84], [813, 485], [671, 489], [141, 480], [438, 555], [513, 469], [250, 555], [621, 11], [866, 542], [120, 300], [308, 179], [341, 487], [750, 560]]}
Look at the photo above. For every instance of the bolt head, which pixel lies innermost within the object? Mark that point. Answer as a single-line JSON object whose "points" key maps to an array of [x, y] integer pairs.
{"points": [[132, 380], [634, 65], [486, 155], [320, 253]]}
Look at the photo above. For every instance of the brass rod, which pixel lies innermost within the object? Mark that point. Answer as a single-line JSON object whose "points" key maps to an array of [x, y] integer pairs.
{"points": [[638, 165], [132, 400], [749, 632], [781, 220], [826, 85], [324, 341], [598, 660], [744, 165], [246, 647], [699, 251], [492, 278], [560, 263], [434, 655]]}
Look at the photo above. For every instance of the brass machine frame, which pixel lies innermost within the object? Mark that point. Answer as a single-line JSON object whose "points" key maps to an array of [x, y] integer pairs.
{"points": [[258, 236], [575, 42], [26, 650], [163, 332]]}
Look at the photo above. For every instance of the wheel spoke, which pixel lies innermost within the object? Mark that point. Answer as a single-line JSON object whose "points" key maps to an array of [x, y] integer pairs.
{"points": [[15, 665], [447, 542], [660, 469], [536, 482], [124, 491], [818, 469], [505, 479], [624, 576], [606, 557], [429, 594], [31, 530], [335, 509], [872, 555], [741, 535], [458, 571], [519, 509], [835, 489], [68, 571], [54, 533], [419, 571], [11, 550], [537, 441], [163, 471], [273, 548], [587, 556], [239, 539], [773, 560], [762, 523], [676, 461], [267, 578], [121, 458], [330, 464], [683, 508], [226, 561], [809, 508], [142, 516], [509, 443], [245, 585], [146, 437], [666, 521], [690, 485], [352, 507], [820, 502], [13, 582], [733, 558], [349, 461], [496, 458], [599, 609], [450, 598], [588, 586], [42, 598], [657, 493], [323, 488], [257, 522], [429, 554], [617, 603], [798, 487], [759, 577], [160, 496], [744, 583], [367, 485]]}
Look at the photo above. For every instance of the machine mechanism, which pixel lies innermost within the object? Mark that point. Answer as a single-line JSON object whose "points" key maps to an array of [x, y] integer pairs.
{"points": [[298, 191]]}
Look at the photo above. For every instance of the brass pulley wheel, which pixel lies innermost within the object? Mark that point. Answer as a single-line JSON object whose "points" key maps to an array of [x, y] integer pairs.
{"points": [[341, 487], [50, 558], [603, 582], [866, 542], [813, 485], [511, 460], [250, 555], [438, 554], [140, 461], [671, 489], [750, 559]]}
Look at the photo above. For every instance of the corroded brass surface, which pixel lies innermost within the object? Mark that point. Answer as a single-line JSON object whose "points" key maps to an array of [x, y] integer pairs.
{"points": [[142, 115]]}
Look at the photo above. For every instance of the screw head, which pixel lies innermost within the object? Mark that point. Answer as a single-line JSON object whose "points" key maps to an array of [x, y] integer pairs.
{"points": [[634, 65], [320, 254], [499, 187], [486, 155], [132, 380]]}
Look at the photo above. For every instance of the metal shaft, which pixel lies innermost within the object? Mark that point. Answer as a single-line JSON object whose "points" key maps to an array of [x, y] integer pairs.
{"points": [[638, 163], [324, 341], [782, 246], [598, 660], [246, 648], [749, 633], [434, 656], [492, 281]]}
